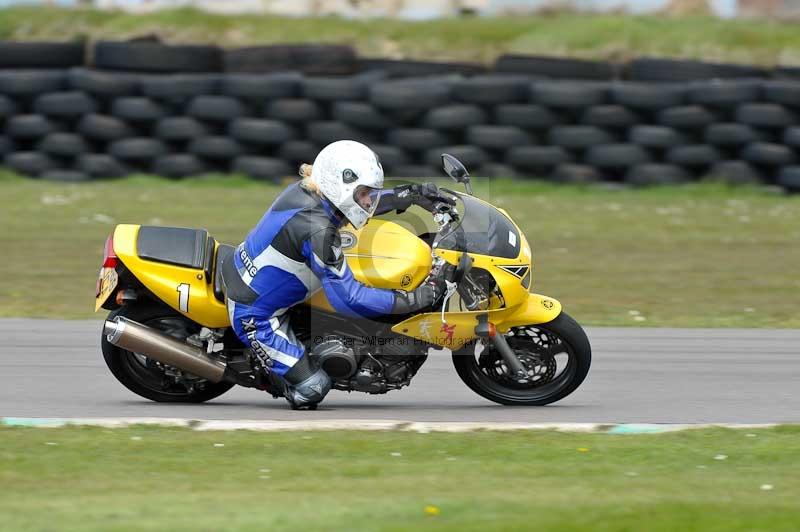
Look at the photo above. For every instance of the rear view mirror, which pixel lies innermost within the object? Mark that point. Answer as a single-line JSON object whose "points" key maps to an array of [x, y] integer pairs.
{"points": [[456, 170]]}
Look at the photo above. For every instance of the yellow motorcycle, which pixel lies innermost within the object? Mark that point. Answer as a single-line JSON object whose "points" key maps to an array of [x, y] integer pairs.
{"points": [[168, 336]]}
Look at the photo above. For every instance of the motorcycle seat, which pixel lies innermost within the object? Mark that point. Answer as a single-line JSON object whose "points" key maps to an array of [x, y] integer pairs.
{"points": [[173, 245], [223, 251]]}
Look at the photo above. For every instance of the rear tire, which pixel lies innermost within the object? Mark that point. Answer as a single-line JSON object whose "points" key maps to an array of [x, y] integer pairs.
{"points": [[139, 375], [563, 335]]}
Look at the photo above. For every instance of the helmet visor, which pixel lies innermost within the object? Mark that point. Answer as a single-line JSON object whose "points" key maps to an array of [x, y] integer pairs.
{"points": [[367, 198]]}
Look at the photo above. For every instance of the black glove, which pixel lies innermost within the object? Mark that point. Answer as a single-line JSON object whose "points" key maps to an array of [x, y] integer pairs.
{"points": [[422, 297], [423, 194], [427, 294]]}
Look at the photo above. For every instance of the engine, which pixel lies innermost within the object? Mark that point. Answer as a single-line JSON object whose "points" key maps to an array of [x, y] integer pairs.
{"points": [[358, 354], [333, 355], [354, 365]]}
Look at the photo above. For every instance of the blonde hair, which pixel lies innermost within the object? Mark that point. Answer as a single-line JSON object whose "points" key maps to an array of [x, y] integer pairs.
{"points": [[306, 183]]}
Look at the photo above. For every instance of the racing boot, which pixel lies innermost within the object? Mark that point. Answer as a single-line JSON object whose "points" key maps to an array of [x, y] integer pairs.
{"points": [[306, 385]]}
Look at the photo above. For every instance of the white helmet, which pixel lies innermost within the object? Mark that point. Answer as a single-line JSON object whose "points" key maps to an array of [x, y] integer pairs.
{"points": [[350, 176]]}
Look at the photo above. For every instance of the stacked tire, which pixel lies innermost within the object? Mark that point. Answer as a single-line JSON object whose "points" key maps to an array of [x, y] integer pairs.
{"points": [[181, 111], [29, 71]]}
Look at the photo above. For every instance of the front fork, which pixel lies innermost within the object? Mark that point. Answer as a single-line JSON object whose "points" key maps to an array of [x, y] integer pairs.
{"points": [[484, 329]]}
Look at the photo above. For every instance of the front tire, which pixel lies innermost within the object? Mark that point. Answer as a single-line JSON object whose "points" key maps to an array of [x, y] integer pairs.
{"points": [[556, 354], [148, 378]]}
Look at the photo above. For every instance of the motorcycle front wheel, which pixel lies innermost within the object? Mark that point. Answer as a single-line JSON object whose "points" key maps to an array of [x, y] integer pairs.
{"points": [[556, 357]]}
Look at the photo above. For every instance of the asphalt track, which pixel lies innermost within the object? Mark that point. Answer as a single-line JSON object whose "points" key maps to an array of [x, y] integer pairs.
{"points": [[52, 368]]}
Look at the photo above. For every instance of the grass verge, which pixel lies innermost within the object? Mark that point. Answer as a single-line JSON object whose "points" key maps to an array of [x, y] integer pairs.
{"points": [[695, 256], [608, 36], [150, 478]]}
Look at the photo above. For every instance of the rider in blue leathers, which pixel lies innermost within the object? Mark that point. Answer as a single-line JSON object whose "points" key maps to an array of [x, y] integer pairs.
{"points": [[295, 250]]}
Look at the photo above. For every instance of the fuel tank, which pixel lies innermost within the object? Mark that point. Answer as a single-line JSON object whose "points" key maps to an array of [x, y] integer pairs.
{"points": [[383, 254]]}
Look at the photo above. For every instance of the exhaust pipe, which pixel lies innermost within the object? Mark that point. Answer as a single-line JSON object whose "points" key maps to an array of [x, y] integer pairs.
{"points": [[154, 344]]}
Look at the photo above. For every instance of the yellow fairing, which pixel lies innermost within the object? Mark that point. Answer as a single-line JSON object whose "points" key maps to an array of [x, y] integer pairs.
{"points": [[509, 284], [460, 326], [169, 282], [514, 293], [382, 254], [518, 307]]}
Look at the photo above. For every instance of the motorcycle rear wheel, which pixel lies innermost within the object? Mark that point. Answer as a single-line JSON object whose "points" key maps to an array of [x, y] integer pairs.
{"points": [[556, 355], [147, 378]]}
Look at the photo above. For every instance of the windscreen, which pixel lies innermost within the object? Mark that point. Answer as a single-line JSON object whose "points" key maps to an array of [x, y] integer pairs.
{"points": [[483, 230]]}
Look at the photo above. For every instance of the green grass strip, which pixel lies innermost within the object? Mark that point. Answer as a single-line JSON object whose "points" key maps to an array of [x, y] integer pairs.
{"points": [[151, 478], [606, 36], [703, 255]]}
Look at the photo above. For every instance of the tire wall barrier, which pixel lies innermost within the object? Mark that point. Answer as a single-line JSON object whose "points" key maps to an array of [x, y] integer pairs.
{"points": [[180, 111]]}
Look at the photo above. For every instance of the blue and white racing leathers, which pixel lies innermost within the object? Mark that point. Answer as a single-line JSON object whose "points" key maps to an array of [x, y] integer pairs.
{"points": [[293, 251]]}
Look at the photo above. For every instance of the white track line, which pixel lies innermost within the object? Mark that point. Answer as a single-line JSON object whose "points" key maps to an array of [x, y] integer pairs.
{"points": [[371, 425]]}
